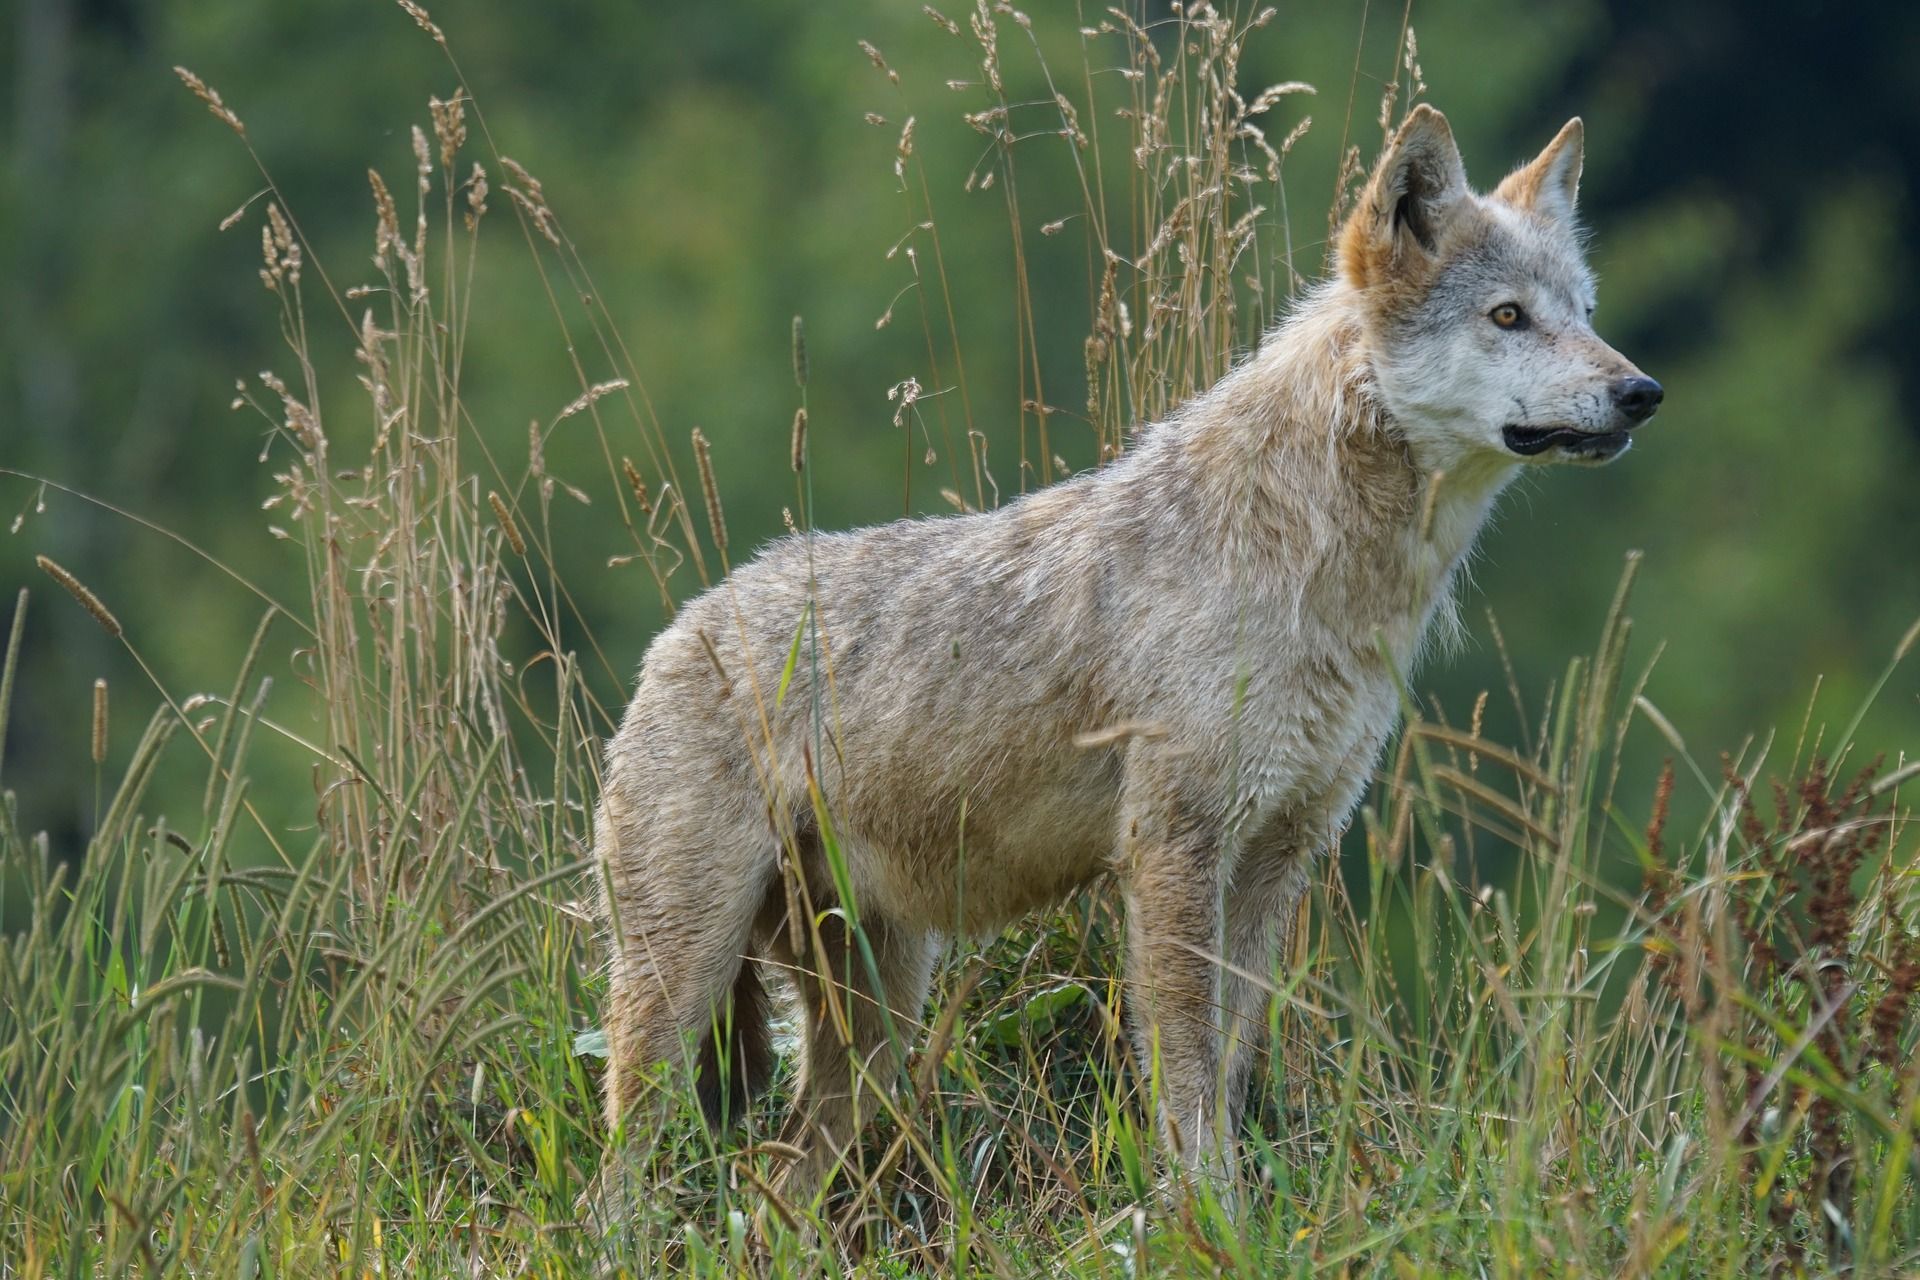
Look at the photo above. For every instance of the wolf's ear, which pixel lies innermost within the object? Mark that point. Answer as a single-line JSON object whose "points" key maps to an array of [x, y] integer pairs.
{"points": [[1415, 190], [1549, 183]]}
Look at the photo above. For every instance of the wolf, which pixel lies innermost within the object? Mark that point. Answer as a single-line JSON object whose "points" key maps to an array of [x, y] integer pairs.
{"points": [[1178, 668]]}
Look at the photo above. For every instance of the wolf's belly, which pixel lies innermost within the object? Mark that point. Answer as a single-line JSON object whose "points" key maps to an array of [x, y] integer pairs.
{"points": [[992, 853]]}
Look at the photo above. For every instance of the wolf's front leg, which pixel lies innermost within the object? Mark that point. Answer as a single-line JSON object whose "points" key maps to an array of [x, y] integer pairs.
{"points": [[1262, 902], [1172, 870]]}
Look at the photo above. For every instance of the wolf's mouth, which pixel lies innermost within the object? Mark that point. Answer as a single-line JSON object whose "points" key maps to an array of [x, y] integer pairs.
{"points": [[1531, 441]]}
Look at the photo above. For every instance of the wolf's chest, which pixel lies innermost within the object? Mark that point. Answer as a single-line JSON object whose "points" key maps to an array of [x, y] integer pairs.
{"points": [[1308, 738]]}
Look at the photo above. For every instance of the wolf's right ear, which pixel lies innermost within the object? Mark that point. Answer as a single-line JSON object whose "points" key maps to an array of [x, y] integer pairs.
{"points": [[1549, 184], [1415, 190]]}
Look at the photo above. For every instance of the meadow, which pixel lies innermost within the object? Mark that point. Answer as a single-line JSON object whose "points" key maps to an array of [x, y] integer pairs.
{"points": [[1586, 997]]}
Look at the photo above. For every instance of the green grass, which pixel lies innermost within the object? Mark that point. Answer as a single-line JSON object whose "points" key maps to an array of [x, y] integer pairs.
{"points": [[1537, 1028]]}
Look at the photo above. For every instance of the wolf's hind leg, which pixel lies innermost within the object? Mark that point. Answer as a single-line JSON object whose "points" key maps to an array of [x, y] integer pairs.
{"points": [[855, 1033], [682, 909]]}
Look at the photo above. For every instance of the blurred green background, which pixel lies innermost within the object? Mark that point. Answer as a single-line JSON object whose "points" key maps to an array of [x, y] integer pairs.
{"points": [[1752, 185]]}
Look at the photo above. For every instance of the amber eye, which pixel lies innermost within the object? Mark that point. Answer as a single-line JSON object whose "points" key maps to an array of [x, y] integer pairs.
{"points": [[1508, 315]]}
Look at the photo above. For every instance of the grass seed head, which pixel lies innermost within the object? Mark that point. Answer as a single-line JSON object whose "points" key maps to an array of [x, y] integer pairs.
{"points": [[279, 250], [505, 517], [1889, 1017], [449, 126], [207, 94], [476, 197], [386, 231], [531, 199], [716, 518], [426, 24], [638, 485], [88, 601], [99, 722]]}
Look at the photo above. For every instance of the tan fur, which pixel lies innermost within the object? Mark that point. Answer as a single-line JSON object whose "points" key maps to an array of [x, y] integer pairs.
{"points": [[1218, 618]]}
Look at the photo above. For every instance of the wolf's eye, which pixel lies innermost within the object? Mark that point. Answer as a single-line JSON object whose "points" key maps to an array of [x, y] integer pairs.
{"points": [[1508, 315]]}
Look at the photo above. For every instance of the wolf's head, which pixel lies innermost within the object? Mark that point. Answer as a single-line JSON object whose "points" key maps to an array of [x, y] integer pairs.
{"points": [[1479, 309]]}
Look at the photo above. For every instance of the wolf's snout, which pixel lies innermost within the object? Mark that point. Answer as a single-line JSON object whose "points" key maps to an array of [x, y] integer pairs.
{"points": [[1637, 397]]}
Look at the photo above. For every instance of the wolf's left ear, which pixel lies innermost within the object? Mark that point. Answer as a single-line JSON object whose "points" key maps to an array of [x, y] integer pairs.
{"points": [[1414, 192], [1549, 184]]}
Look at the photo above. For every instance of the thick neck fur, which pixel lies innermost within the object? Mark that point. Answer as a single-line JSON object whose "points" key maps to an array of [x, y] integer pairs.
{"points": [[1295, 466]]}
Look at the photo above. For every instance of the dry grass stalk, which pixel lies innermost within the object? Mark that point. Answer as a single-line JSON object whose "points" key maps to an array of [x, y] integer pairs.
{"points": [[1122, 732]]}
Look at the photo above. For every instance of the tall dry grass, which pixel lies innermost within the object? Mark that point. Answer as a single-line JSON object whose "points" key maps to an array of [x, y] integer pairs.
{"points": [[366, 1046]]}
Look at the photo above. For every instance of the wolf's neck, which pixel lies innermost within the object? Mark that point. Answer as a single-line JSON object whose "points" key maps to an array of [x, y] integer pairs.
{"points": [[1320, 495]]}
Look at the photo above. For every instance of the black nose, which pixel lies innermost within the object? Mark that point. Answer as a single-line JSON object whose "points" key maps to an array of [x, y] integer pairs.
{"points": [[1638, 397]]}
